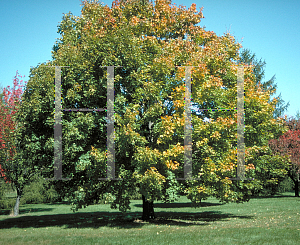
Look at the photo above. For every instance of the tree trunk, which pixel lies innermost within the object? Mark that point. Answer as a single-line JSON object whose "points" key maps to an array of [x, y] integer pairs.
{"points": [[17, 205], [296, 188], [148, 209], [296, 182]]}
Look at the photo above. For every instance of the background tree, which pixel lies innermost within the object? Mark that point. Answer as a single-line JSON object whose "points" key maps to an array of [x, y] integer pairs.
{"points": [[259, 71], [249, 58], [297, 117], [1, 93], [289, 145], [148, 41], [12, 170], [1, 101]]}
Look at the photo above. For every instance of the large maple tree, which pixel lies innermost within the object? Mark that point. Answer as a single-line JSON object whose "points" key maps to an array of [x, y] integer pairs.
{"points": [[148, 42]]}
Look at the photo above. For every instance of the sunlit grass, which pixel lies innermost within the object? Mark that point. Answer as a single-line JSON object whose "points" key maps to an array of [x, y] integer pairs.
{"points": [[260, 221]]}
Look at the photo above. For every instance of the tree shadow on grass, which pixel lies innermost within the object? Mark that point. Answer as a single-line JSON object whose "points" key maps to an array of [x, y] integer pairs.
{"points": [[201, 218], [113, 219], [180, 205]]}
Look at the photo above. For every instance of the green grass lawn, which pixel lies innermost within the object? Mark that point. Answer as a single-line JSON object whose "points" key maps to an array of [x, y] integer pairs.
{"points": [[260, 221]]}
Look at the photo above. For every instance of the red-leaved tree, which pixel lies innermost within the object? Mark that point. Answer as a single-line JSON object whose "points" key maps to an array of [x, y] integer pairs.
{"points": [[10, 101], [289, 145]]}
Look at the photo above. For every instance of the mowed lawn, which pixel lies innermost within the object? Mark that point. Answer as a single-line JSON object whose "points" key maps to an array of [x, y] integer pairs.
{"points": [[273, 220]]}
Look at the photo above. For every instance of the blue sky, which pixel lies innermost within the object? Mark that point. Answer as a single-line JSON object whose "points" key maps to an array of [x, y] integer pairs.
{"points": [[270, 29]]}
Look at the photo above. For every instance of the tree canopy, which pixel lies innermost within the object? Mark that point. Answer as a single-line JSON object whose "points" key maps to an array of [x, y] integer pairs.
{"points": [[151, 45]]}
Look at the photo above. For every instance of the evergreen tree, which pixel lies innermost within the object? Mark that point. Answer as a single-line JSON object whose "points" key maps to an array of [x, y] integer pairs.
{"points": [[259, 71]]}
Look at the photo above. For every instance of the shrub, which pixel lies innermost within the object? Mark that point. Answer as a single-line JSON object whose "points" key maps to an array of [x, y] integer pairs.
{"points": [[5, 201], [39, 191], [273, 187], [287, 185]]}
